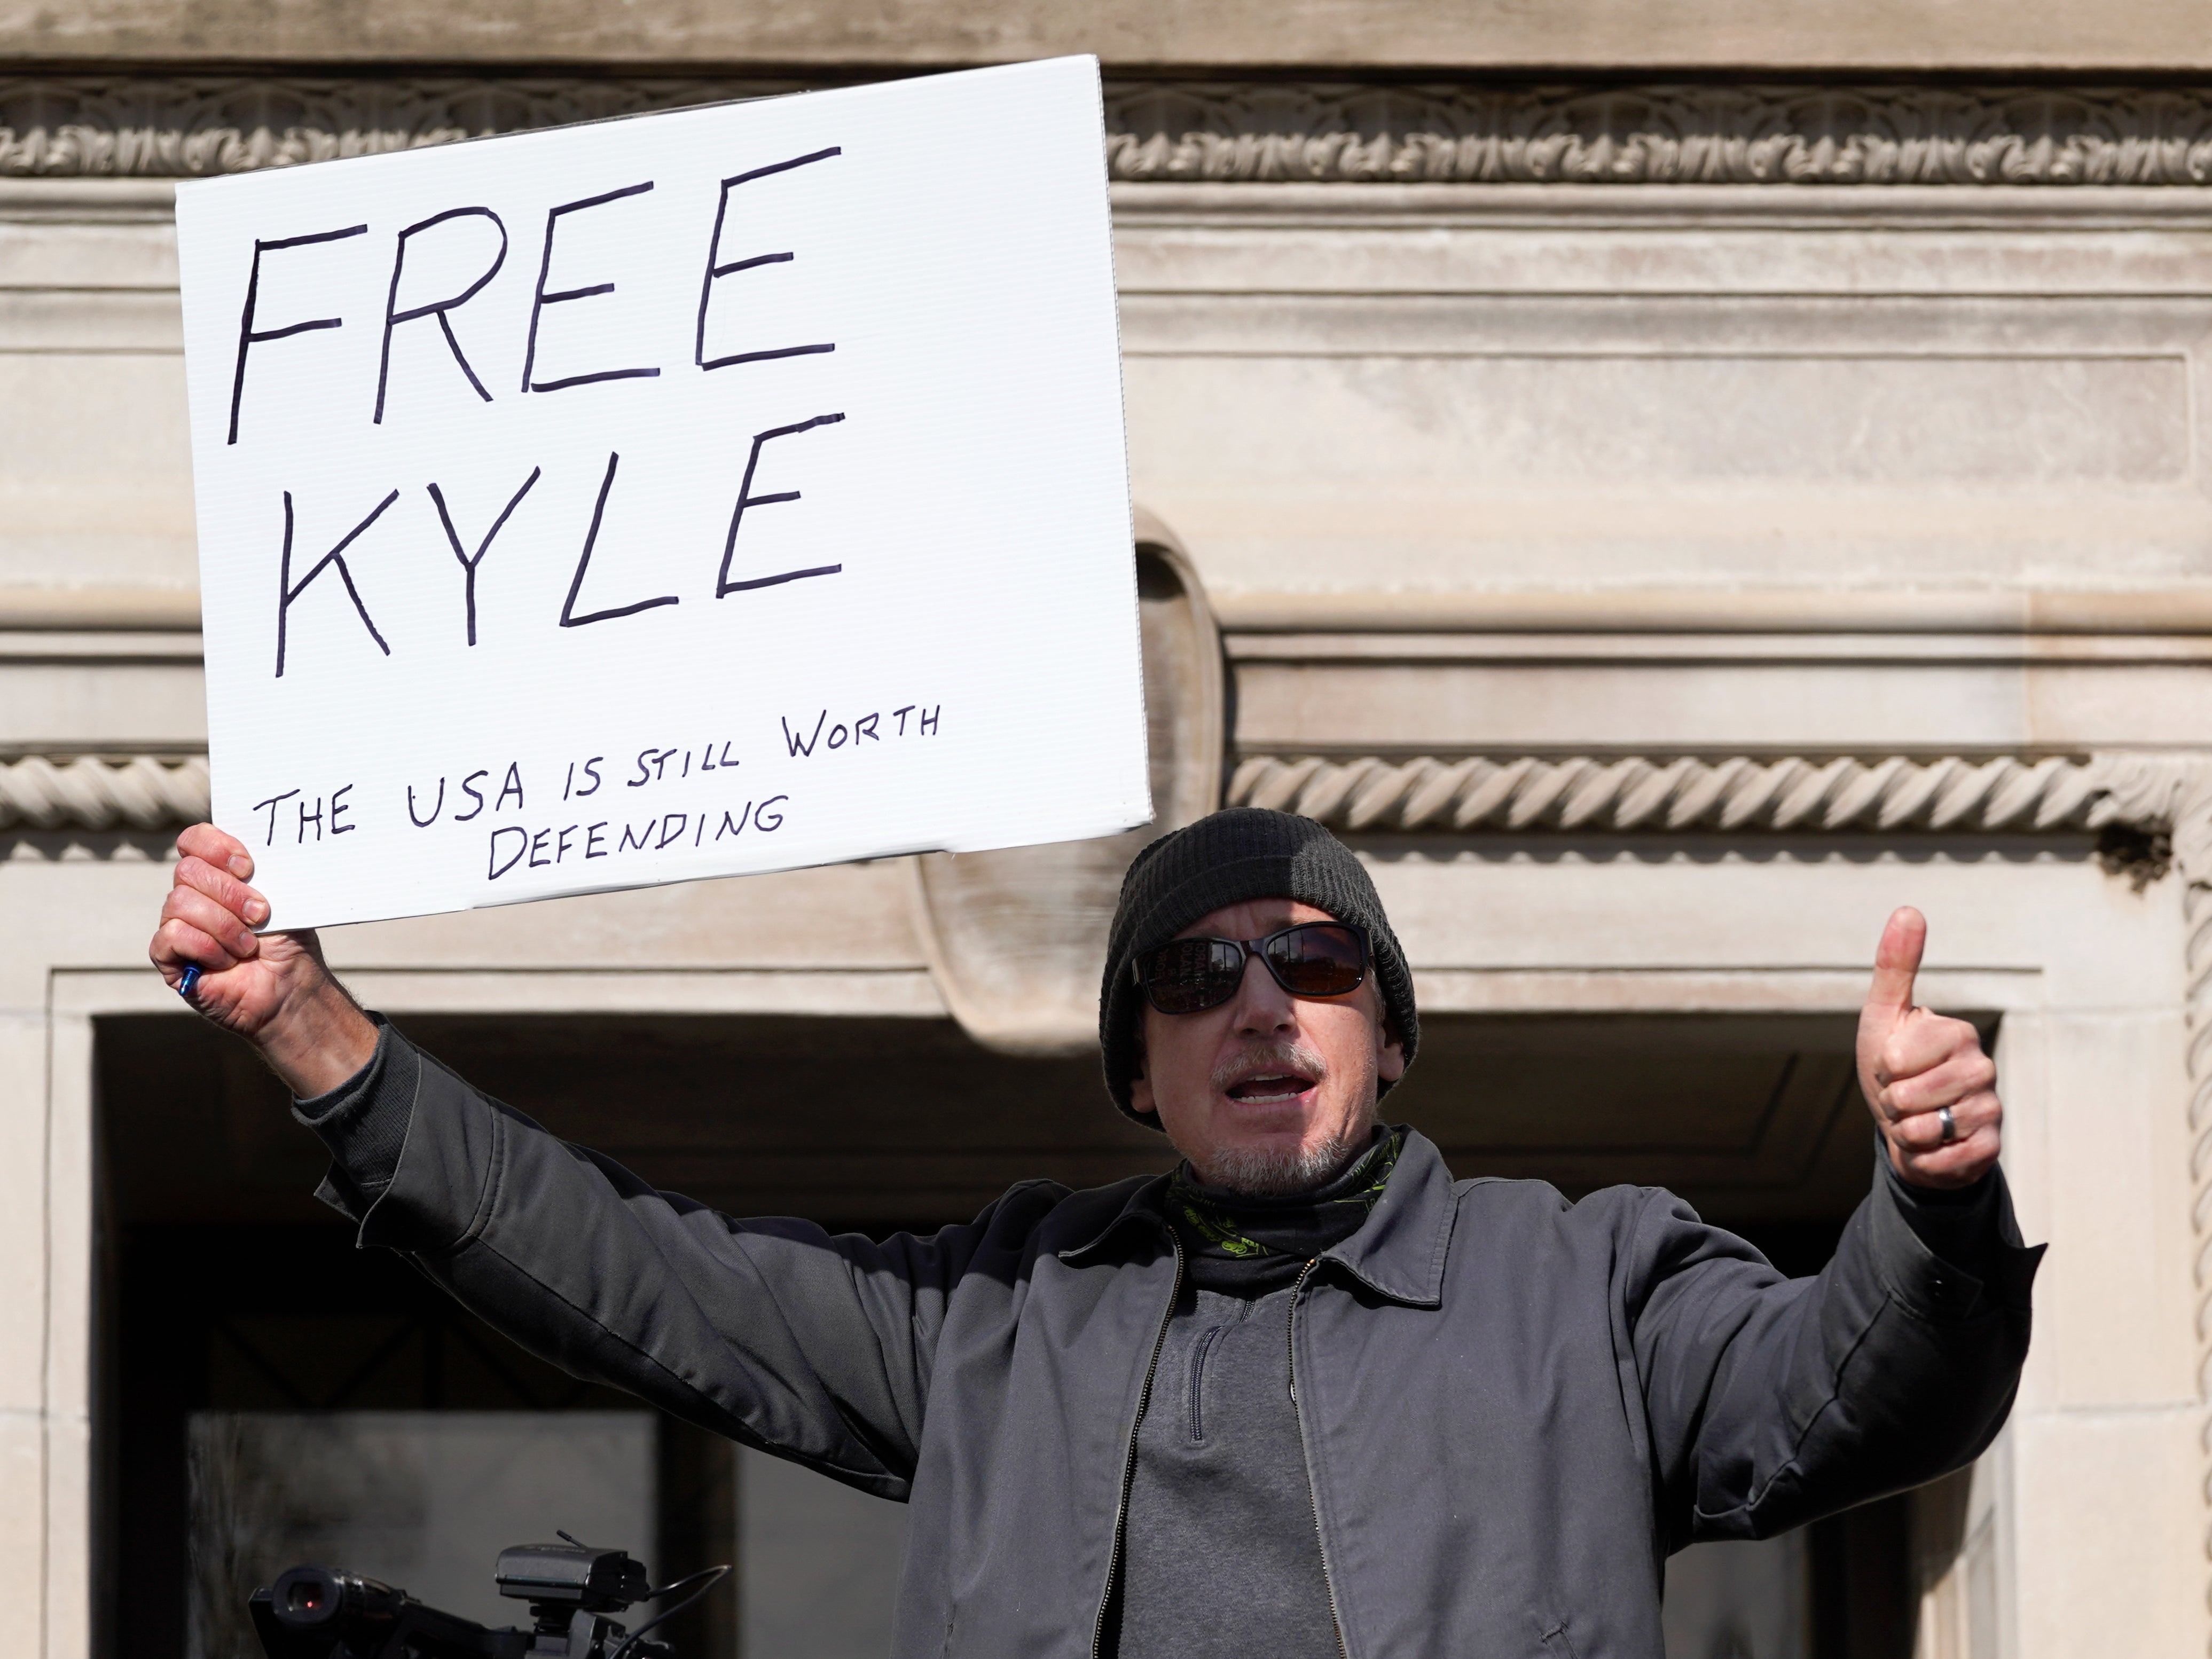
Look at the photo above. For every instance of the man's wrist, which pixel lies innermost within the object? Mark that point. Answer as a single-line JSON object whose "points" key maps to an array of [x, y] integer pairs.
{"points": [[319, 1041], [1965, 1227]]}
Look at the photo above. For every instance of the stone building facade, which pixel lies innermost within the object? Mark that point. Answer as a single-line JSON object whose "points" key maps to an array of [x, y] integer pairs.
{"points": [[1668, 484]]}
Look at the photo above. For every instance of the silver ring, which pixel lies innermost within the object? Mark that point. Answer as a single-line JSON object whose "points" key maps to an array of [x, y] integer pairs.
{"points": [[1950, 1124]]}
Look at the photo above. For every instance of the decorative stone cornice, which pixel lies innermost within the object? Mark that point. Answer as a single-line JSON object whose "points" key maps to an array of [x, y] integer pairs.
{"points": [[187, 126], [1743, 795], [1477, 794], [1664, 135], [145, 792]]}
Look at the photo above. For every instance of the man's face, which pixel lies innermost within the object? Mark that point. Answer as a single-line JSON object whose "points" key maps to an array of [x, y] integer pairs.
{"points": [[1267, 1093]]}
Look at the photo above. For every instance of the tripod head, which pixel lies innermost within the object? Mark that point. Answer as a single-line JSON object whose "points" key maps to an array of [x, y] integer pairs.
{"points": [[573, 1590]]}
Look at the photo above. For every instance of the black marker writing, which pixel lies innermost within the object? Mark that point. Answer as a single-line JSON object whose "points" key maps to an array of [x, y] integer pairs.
{"points": [[393, 316], [540, 299], [323, 816], [437, 807], [840, 735], [469, 565], [796, 744], [469, 788], [716, 272], [272, 803], [736, 826], [512, 846], [249, 336], [723, 585], [495, 870], [569, 617], [288, 591]]}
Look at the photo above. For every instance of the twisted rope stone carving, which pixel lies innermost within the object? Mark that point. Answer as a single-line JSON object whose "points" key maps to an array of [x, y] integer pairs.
{"points": [[142, 793], [187, 126], [1582, 792]]}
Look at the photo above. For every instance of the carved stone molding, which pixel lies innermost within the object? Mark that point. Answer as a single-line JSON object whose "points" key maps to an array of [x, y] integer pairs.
{"points": [[1662, 135], [144, 793], [184, 126], [1582, 793], [122, 126], [1014, 938], [2156, 793]]}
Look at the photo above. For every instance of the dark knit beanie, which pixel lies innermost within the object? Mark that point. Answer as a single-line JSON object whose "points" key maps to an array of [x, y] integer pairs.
{"points": [[1245, 852]]}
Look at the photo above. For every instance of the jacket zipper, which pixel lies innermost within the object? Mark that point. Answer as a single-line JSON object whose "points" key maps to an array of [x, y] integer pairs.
{"points": [[1197, 1352], [1129, 1462], [1327, 1578]]}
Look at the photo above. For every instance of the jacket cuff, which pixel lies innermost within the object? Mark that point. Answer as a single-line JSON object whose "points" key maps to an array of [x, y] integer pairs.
{"points": [[364, 1121], [1951, 1255]]}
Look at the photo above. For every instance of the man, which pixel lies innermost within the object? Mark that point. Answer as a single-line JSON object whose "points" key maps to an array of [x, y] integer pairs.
{"points": [[1306, 1397]]}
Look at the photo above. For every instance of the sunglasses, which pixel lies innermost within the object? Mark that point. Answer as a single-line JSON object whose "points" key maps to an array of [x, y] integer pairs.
{"points": [[1310, 959]]}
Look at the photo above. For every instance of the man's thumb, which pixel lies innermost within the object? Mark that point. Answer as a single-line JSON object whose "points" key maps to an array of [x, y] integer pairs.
{"points": [[1896, 961]]}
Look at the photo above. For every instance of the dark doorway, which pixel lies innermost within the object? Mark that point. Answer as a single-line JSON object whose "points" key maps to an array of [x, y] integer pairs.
{"points": [[228, 1289]]}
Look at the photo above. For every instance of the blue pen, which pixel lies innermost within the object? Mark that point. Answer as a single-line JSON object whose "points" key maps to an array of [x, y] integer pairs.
{"points": [[190, 978]]}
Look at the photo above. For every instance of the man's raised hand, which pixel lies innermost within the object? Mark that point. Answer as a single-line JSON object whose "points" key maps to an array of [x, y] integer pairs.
{"points": [[272, 989], [1914, 1066]]}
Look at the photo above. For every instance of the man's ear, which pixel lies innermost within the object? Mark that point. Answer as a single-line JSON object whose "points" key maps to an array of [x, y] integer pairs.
{"points": [[1141, 1087], [1390, 1060], [1140, 1096]]}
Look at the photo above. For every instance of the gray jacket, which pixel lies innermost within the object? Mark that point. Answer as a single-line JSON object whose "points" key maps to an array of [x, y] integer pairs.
{"points": [[1514, 1407]]}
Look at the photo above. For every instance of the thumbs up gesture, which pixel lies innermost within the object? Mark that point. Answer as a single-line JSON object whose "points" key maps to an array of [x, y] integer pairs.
{"points": [[1932, 1089]]}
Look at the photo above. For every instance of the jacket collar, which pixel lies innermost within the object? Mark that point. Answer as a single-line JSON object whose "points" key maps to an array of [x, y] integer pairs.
{"points": [[1145, 1207], [1398, 1254]]}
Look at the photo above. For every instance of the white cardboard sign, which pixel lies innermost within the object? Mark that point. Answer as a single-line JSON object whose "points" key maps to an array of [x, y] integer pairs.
{"points": [[725, 490]]}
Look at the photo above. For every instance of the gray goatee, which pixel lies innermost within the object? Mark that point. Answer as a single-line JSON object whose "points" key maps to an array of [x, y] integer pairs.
{"points": [[1280, 1171]]}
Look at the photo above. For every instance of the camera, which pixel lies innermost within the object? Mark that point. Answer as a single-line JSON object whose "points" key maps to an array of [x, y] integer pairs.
{"points": [[573, 1589]]}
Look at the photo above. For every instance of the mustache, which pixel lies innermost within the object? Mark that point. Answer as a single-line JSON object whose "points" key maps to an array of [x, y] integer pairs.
{"points": [[1269, 1060]]}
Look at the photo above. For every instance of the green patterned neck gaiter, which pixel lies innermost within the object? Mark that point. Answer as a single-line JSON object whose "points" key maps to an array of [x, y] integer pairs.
{"points": [[1249, 1246]]}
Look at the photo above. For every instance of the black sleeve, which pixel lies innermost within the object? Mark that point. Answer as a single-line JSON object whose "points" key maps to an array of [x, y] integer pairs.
{"points": [[1963, 1225], [771, 1332], [363, 1121], [1772, 1401]]}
